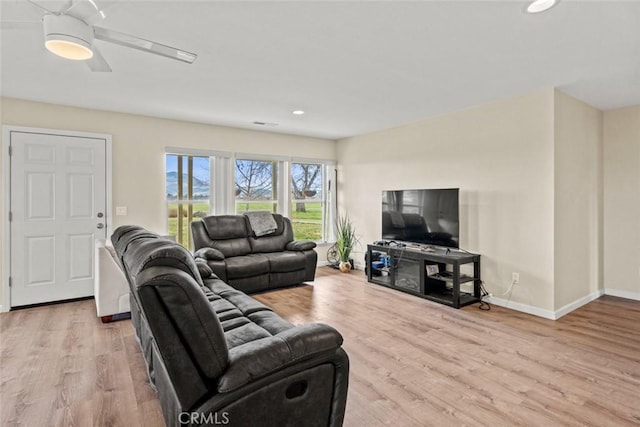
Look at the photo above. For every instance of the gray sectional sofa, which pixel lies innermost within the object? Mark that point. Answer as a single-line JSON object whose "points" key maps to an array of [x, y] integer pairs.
{"points": [[217, 356], [250, 263]]}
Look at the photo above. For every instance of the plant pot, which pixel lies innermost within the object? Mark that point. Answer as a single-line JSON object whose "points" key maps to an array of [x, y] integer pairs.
{"points": [[344, 266]]}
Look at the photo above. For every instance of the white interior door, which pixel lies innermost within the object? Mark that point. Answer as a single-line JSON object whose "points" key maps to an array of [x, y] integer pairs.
{"points": [[58, 202]]}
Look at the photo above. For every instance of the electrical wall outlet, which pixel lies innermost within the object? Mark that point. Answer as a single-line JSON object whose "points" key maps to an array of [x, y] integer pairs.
{"points": [[515, 278]]}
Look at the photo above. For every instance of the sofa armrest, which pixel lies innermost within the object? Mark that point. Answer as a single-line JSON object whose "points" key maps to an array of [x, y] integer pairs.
{"points": [[209, 254], [259, 358], [300, 245], [204, 269], [111, 288]]}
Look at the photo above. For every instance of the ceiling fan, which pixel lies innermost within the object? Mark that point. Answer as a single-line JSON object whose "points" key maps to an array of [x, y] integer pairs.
{"points": [[70, 32]]}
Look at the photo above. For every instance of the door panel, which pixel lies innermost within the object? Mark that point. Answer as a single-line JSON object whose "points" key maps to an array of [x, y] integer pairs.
{"points": [[80, 190], [81, 248], [39, 252], [58, 186], [42, 154], [40, 196]]}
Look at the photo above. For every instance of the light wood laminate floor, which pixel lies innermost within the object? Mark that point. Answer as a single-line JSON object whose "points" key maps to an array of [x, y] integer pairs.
{"points": [[413, 362]]}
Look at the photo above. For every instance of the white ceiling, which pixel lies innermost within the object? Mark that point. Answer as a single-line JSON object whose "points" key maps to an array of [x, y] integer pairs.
{"points": [[353, 66]]}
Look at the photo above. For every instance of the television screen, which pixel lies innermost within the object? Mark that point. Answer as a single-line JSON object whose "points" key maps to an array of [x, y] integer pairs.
{"points": [[421, 216]]}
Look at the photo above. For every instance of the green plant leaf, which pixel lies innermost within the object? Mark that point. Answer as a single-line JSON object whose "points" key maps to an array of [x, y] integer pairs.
{"points": [[345, 237]]}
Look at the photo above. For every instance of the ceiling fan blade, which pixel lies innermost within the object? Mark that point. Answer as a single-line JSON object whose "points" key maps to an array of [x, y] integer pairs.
{"points": [[97, 63], [85, 10], [38, 5], [144, 45], [66, 6]]}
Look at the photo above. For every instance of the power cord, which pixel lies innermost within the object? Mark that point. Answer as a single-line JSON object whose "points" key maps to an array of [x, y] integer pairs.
{"points": [[397, 261], [464, 250], [483, 294]]}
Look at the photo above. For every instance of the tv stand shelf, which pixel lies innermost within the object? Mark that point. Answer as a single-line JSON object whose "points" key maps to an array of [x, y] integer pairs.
{"points": [[405, 268]]}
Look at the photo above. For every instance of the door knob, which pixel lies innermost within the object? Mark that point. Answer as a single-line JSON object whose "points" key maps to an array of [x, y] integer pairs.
{"points": [[100, 225], [100, 214]]}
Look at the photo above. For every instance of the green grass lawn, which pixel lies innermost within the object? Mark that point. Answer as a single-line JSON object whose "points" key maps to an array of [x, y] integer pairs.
{"points": [[306, 225]]}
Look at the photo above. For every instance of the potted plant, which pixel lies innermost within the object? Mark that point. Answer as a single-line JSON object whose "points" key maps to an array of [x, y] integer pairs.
{"points": [[345, 240]]}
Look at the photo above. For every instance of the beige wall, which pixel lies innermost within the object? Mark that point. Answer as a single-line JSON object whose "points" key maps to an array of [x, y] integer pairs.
{"points": [[622, 202], [138, 150], [2, 195], [550, 187], [500, 155], [578, 200]]}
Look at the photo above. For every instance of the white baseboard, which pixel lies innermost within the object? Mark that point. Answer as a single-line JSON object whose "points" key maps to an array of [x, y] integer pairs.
{"points": [[579, 303], [622, 294], [525, 308], [540, 312]]}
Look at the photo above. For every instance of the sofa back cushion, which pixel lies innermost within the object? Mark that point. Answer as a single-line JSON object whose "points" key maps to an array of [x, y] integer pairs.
{"points": [[165, 283], [227, 233], [275, 242], [186, 329], [139, 249]]}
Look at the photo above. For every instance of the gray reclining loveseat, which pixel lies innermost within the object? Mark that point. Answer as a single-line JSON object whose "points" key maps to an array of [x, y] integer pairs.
{"points": [[251, 263], [217, 356]]}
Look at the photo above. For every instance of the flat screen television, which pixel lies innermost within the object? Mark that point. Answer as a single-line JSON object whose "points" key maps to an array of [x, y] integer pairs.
{"points": [[429, 216]]}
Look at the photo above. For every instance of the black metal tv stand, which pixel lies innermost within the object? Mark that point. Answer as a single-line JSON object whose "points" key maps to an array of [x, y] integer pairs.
{"points": [[431, 272]]}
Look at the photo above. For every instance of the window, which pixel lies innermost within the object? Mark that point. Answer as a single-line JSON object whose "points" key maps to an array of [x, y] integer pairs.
{"points": [[256, 185], [308, 201], [203, 182], [188, 190]]}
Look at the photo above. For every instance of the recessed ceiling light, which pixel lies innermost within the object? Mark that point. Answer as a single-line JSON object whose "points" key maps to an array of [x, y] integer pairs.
{"points": [[541, 5], [297, 112]]}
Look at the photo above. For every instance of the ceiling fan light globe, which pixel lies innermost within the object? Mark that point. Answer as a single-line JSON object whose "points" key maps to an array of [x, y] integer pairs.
{"points": [[68, 37], [77, 50]]}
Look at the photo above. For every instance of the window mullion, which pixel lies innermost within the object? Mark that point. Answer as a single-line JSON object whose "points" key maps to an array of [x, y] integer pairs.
{"points": [[190, 196], [179, 236], [285, 196]]}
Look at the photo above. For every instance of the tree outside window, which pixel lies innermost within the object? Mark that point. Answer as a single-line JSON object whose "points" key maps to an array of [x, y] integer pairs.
{"points": [[307, 201], [256, 185]]}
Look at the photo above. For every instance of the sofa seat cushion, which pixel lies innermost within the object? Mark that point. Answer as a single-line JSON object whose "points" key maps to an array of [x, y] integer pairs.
{"points": [[244, 334], [270, 322], [228, 315], [257, 358], [244, 303], [217, 286], [234, 322], [220, 306], [284, 262], [247, 266]]}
